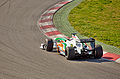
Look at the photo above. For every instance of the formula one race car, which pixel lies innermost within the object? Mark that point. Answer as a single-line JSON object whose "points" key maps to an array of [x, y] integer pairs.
{"points": [[73, 47]]}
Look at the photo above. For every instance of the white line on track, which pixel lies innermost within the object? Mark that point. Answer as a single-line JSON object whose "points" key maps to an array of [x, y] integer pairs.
{"points": [[49, 30], [58, 5], [104, 52], [52, 11], [58, 36], [118, 60], [46, 17], [46, 23]]}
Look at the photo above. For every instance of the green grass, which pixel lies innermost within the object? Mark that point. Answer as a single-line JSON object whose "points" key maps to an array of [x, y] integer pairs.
{"points": [[61, 22], [99, 19]]}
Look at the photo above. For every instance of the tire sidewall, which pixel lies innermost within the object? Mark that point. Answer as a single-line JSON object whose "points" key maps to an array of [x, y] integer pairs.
{"points": [[98, 51], [70, 53], [49, 44]]}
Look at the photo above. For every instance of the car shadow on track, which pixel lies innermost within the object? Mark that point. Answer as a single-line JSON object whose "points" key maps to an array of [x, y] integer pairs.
{"points": [[86, 59], [101, 60]]}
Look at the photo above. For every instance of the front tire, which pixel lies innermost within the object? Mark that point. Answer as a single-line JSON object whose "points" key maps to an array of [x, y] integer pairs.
{"points": [[70, 53], [49, 45], [98, 51]]}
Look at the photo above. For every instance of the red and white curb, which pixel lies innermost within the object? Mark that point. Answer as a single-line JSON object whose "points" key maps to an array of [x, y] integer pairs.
{"points": [[46, 25], [112, 57], [46, 21]]}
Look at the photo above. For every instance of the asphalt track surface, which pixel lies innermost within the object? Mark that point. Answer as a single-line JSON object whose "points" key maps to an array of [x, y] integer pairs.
{"points": [[21, 57]]}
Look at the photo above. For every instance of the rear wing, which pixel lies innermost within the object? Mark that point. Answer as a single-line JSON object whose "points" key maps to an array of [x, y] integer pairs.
{"points": [[90, 40], [87, 40]]}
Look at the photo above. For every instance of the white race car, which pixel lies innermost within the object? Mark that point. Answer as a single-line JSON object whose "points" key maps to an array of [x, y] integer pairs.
{"points": [[74, 47]]}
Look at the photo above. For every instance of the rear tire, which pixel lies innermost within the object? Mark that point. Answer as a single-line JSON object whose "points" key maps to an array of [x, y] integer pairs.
{"points": [[70, 53], [49, 45], [98, 51]]}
